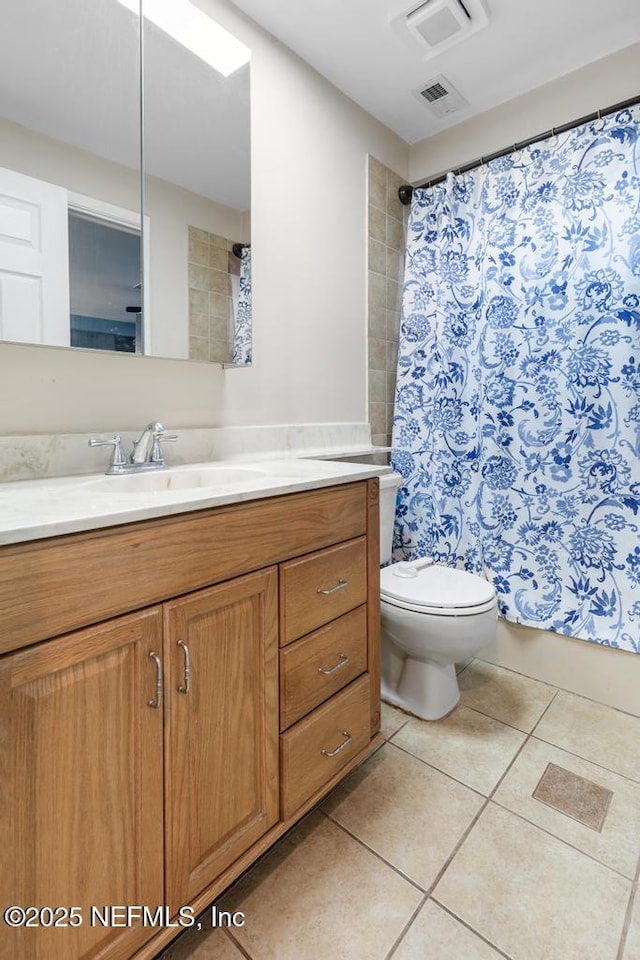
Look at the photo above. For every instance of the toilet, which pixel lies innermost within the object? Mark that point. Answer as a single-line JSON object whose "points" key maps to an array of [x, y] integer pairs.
{"points": [[432, 618]]}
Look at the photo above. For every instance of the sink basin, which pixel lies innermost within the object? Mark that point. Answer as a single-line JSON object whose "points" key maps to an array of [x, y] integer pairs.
{"points": [[293, 469], [219, 477], [165, 481]]}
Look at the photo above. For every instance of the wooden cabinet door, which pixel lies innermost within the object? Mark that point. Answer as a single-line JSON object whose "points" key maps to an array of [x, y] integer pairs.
{"points": [[221, 734], [81, 787]]}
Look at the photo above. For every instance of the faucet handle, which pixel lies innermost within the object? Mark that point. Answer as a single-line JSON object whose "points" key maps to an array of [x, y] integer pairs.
{"points": [[119, 457], [157, 453]]}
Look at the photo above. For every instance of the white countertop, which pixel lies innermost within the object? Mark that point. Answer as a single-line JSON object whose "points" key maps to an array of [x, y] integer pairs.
{"points": [[36, 509]]}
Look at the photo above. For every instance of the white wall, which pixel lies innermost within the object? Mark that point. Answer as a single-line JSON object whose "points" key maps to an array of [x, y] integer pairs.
{"points": [[309, 221], [601, 84], [309, 149]]}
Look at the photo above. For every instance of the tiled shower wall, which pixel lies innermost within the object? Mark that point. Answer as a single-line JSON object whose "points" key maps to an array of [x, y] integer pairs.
{"points": [[387, 218], [211, 263]]}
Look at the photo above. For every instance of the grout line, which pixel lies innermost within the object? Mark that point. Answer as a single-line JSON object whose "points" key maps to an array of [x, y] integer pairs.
{"points": [[464, 834], [532, 732], [567, 843], [581, 756], [509, 767], [471, 929], [539, 737], [547, 683], [460, 841], [487, 800], [456, 849], [474, 820], [467, 663], [490, 799], [506, 723], [450, 776], [529, 735], [594, 763], [243, 952], [401, 727], [406, 928], [443, 773], [628, 914], [375, 853], [519, 673], [490, 716]]}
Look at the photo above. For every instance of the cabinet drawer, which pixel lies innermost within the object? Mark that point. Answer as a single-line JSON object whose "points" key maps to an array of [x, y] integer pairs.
{"points": [[316, 667], [321, 587], [316, 748]]}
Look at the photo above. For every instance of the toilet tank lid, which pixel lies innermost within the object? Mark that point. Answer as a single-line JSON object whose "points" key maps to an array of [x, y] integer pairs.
{"points": [[390, 479], [420, 583]]}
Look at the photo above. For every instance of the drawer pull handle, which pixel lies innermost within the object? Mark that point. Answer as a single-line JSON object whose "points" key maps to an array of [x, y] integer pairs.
{"points": [[340, 585], [332, 753], [342, 662], [184, 687], [155, 703]]}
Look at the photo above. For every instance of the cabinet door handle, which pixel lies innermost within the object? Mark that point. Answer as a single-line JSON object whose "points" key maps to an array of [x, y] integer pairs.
{"points": [[340, 585], [184, 687], [332, 753], [342, 662], [157, 701]]}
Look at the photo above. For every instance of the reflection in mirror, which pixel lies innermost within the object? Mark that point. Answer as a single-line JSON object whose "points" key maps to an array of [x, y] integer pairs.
{"points": [[242, 342], [69, 123], [104, 279], [72, 272], [196, 190]]}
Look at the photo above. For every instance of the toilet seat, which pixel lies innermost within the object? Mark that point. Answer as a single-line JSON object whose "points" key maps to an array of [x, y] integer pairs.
{"points": [[429, 588]]}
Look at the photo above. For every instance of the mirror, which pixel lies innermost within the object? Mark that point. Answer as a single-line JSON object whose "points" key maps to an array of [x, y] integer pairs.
{"points": [[82, 264]]}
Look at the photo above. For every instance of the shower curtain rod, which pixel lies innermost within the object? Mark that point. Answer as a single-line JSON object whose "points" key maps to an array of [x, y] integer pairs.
{"points": [[237, 248], [405, 192]]}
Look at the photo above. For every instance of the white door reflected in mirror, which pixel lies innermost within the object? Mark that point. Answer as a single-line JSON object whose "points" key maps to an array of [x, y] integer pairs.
{"points": [[34, 273]]}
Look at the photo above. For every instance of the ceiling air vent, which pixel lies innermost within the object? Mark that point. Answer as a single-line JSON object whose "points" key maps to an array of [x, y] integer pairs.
{"points": [[435, 92], [434, 26], [441, 96]]}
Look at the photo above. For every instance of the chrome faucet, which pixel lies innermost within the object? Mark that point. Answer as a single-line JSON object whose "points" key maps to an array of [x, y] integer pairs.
{"points": [[147, 450], [147, 453]]}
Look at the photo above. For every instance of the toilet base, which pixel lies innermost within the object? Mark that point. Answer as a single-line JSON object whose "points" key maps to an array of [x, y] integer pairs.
{"points": [[427, 690]]}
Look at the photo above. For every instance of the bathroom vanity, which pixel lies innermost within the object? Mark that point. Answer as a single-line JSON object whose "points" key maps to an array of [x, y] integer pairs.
{"points": [[175, 693]]}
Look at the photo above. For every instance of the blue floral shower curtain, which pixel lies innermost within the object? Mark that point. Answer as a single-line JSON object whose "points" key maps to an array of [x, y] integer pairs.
{"points": [[517, 418], [242, 345]]}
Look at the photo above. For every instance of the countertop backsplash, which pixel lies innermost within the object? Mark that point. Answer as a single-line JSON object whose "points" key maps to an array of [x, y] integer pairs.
{"points": [[34, 457]]}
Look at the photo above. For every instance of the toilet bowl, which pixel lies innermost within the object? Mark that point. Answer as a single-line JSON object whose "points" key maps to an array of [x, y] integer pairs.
{"points": [[432, 618]]}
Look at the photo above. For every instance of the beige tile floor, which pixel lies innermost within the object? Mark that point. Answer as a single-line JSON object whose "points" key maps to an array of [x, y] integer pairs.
{"points": [[435, 848]]}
